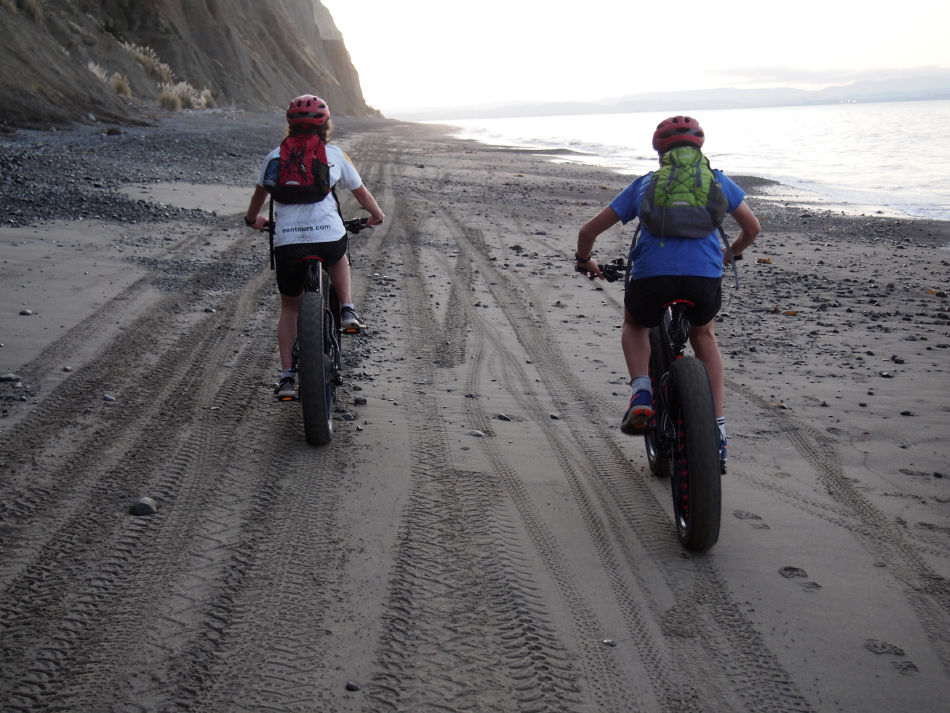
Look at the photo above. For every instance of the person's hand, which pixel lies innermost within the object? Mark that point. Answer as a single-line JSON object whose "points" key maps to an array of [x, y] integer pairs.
{"points": [[259, 223], [589, 267], [375, 220]]}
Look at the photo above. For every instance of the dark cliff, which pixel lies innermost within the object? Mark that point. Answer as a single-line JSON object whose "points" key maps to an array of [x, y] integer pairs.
{"points": [[67, 61]]}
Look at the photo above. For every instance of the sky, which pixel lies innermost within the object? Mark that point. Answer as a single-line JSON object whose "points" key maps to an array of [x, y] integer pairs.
{"points": [[414, 55]]}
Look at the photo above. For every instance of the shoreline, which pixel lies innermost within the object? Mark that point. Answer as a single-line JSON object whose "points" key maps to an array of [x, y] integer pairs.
{"points": [[766, 190], [812, 171]]}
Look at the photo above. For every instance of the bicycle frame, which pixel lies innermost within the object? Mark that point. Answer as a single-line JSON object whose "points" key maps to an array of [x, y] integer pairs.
{"points": [[674, 334]]}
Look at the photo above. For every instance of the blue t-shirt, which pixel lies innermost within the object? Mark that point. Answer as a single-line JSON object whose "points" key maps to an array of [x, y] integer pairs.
{"points": [[654, 257]]}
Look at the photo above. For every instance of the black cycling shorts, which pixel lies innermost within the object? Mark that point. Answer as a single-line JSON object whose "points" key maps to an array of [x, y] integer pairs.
{"points": [[291, 272], [646, 299]]}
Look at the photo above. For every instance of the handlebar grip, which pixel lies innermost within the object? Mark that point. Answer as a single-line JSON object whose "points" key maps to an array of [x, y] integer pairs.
{"points": [[356, 225]]}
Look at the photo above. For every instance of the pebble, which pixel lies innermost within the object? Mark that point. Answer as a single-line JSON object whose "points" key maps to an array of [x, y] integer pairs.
{"points": [[108, 397], [144, 506], [351, 686], [9, 377], [26, 312]]}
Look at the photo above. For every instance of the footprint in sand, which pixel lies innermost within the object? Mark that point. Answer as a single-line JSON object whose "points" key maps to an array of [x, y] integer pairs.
{"points": [[791, 572], [796, 572], [756, 519], [875, 646]]}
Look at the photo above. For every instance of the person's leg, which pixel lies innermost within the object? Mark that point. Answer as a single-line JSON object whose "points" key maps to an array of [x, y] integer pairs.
{"points": [[703, 339], [635, 340], [707, 351], [340, 276], [287, 330]]}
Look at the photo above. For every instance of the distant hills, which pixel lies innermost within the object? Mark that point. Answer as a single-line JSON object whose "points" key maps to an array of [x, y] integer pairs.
{"points": [[905, 89]]}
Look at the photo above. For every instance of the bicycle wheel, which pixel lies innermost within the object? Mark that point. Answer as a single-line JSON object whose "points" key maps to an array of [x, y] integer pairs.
{"points": [[314, 369], [696, 485], [658, 451]]}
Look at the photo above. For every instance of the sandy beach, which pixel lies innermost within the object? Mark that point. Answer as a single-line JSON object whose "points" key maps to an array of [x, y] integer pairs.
{"points": [[479, 535]]}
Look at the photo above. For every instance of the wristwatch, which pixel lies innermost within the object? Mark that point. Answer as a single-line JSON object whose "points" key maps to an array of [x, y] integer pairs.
{"points": [[248, 222], [581, 259]]}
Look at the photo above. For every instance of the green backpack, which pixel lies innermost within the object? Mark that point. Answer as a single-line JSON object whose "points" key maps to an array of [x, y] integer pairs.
{"points": [[684, 198]]}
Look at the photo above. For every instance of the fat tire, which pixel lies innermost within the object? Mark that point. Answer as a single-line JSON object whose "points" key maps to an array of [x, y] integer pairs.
{"points": [[696, 483], [658, 453], [316, 399]]}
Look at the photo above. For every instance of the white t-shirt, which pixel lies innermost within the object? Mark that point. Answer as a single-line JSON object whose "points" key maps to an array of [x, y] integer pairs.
{"points": [[314, 222]]}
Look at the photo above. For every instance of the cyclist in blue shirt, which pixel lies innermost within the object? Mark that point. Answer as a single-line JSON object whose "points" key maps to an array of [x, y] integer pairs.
{"points": [[664, 269]]}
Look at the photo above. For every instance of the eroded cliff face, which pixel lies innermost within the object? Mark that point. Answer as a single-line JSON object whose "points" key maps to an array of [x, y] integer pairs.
{"points": [[66, 61]]}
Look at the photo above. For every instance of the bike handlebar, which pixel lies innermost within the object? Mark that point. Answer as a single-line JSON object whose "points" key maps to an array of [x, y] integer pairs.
{"points": [[616, 269], [356, 225], [612, 271]]}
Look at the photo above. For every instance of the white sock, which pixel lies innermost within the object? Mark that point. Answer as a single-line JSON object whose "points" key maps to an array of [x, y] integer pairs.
{"points": [[287, 372], [721, 422], [640, 383]]}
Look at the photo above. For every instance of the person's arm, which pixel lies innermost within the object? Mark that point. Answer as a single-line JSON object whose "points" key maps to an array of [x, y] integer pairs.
{"points": [[253, 217], [365, 199], [586, 237], [748, 230]]}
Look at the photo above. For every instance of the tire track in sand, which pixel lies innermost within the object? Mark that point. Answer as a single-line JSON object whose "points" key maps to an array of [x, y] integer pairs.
{"points": [[627, 507], [464, 624], [81, 562]]}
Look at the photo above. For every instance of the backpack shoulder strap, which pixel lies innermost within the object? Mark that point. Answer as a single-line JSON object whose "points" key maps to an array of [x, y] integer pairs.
{"points": [[732, 259], [270, 232]]}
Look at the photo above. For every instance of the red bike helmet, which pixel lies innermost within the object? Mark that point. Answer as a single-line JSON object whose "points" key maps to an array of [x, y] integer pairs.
{"points": [[678, 131], [308, 110]]}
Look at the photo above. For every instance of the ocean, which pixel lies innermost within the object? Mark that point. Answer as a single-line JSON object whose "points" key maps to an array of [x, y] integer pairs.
{"points": [[872, 159]]}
